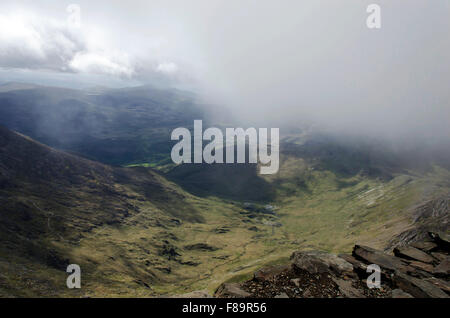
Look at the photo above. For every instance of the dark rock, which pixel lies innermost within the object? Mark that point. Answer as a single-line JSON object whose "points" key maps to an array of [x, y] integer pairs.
{"points": [[372, 256], [442, 241], [231, 290], [347, 290], [166, 270], [425, 246], [409, 252], [443, 269], [321, 262], [358, 266], [221, 230], [439, 256], [189, 263], [169, 251], [296, 282], [442, 284], [201, 247], [430, 216], [435, 209], [417, 287], [422, 266], [398, 293], [308, 262], [267, 273], [175, 222]]}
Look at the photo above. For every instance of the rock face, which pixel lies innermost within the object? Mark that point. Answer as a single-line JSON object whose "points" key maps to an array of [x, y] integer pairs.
{"points": [[425, 246], [398, 293], [443, 269], [417, 287], [321, 262], [417, 270], [431, 216], [231, 290], [267, 273], [372, 256]]}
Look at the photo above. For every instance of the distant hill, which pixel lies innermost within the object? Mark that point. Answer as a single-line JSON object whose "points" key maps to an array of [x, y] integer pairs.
{"points": [[115, 126], [13, 86]]}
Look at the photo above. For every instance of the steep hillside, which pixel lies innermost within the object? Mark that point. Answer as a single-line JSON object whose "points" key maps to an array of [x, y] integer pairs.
{"points": [[131, 231], [136, 234], [51, 201]]}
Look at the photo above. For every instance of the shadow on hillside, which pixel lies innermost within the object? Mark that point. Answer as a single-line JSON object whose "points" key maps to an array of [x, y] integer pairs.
{"points": [[230, 181]]}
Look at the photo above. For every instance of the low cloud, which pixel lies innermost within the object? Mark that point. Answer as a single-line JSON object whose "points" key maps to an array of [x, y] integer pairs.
{"points": [[269, 64], [168, 68], [95, 62]]}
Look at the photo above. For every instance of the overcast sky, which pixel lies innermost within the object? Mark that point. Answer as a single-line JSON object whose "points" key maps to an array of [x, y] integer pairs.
{"points": [[287, 60]]}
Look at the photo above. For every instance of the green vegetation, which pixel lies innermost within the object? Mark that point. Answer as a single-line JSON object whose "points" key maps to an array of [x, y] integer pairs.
{"points": [[134, 233], [152, 228]]}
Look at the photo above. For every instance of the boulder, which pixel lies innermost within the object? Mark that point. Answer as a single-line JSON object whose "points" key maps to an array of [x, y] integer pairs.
{"points": [[422, 266], [357, 265], [296, 282], [268, 273], [372, 256], [347, 290], [439, 256], [316, 262], [426, 246], [443, 269], [282, 295], [231, 290], [442, 284], [412, 253], [417, 287], [309, 261], [398, 293]]}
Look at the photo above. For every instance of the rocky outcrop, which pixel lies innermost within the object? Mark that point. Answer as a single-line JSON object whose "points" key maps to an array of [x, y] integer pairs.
{"points": [[443, 269], [231, 290], [321, 262], [417, 270], [268, 273], [430, 216], [417, 287], [412, 253], [372, 256], [398, 293]]}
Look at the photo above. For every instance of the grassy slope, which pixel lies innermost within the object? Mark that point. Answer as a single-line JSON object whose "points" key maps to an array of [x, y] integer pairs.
{"points": [[130, 229], [145, 252]]}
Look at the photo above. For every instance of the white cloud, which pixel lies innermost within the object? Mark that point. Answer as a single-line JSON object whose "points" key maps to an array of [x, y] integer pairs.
{"points": [[167, 68], [100, 63], [31, 42]]}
